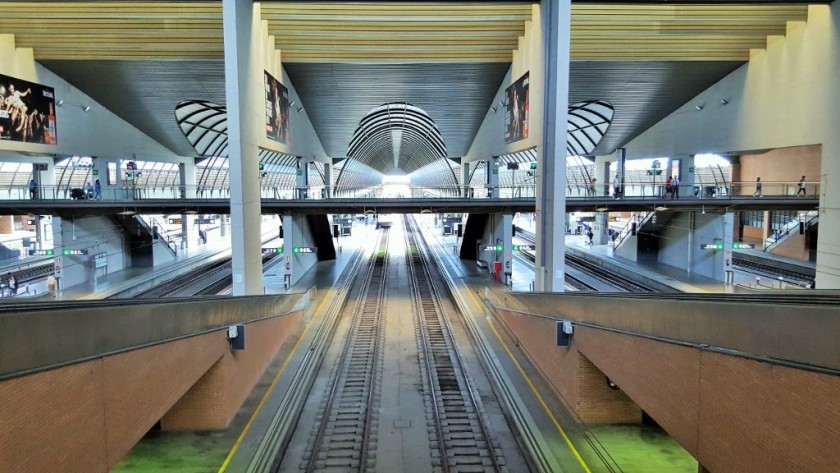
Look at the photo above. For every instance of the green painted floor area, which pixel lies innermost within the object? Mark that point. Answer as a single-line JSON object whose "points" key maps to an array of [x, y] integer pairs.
{"points": [[181, 452], [644, 449]]}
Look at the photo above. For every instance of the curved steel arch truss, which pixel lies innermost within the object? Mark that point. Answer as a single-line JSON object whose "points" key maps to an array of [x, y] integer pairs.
{"points": [[204, 124], [395, 137]]}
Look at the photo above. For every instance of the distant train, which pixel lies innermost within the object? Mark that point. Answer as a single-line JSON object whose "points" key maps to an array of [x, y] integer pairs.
{"points": [[383, 221]]}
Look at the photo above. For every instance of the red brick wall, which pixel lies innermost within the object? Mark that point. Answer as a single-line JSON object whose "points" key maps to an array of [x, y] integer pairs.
{"points": [[213, 401], [636, 365], [598, 403], [85, 417], [54, 421], [569, 373]]}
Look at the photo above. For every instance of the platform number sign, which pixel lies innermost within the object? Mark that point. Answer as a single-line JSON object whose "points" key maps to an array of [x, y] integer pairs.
{"points": [[69, 252], [494, 248], [273, 251], [305, 249], [41, 252], [743, 246], [524, 247]]}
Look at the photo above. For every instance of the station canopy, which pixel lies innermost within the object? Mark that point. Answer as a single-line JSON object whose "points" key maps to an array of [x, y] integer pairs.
{"points": [[140, 59]]}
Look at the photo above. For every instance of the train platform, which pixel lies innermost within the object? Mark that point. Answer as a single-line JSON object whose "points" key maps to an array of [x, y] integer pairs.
{"points": [[187, 259], [770, 257]]}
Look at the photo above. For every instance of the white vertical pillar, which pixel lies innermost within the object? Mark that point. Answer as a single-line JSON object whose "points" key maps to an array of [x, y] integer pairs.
{"points": [[244, 93], [465, 179], [686, 175], [551, 181], [328, 168], [302, 179], [493, 176]]}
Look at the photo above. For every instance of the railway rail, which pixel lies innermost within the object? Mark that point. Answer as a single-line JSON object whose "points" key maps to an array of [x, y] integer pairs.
{"points": [[766, 270], [621, 283], [462, 438], [345, 436]]}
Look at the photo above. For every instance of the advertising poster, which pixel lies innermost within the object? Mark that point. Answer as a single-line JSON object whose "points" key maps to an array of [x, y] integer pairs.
{"points": [[516, 118], [276, 110], [27, 111]]}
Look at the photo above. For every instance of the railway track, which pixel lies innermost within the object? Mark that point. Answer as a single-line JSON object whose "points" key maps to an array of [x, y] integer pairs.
{"points": [[460, 436], [345, 436], [621, 283], [768, 271]]}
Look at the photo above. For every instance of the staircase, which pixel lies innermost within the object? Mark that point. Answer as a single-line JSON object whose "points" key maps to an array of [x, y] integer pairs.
{"points": [[141, 238], [321, 230]]}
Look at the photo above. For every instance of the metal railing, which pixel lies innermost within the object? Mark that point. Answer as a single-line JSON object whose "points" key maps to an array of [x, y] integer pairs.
{"points": [[777, 190], [772, 242]]}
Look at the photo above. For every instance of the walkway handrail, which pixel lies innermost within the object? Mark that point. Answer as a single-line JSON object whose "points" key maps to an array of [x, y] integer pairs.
{"points": [[633, 190]]}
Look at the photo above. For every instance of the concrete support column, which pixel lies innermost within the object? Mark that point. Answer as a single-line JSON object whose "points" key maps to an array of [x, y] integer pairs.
{"points": [[327, 180], [245, 106], [601, 228], [187, 181], [493, 177], [551, 178], [465, 179], [602, 175], [504, 235], [686, 175], [302, 178]]}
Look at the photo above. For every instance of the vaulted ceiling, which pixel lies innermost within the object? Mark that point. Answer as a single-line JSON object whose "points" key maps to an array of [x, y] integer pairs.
{"points": [[140, 58]]}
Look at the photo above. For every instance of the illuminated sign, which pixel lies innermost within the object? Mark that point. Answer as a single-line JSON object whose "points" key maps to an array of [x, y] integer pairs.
{"points": [[175, 221], [273, 251], [41, 252], [305, 249], [205, 221], [74, 252], [735, 246], [494, 248], [524, 247]]}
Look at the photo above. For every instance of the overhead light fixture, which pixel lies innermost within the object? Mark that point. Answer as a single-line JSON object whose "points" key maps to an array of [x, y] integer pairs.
{"points": [[60, 102], [493, 109], [661, 208], [293, 103], [191, 212], [724, 101], [698, 107], [300, 109], [501, 103], [86, 108], [601, 209], [126, 212]]}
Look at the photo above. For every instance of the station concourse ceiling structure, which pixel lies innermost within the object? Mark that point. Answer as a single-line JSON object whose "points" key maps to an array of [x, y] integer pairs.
{"points": [[141, 58]]}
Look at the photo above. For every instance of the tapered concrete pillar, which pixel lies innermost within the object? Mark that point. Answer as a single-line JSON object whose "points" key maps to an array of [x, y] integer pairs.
{"points": [[328, 180], [302, 179], [686, 175], [465, 179], [244, 98], [493, 176], [551, 179]]}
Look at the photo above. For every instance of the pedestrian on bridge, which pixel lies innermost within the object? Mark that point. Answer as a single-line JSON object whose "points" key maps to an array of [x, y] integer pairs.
{"points": [[33, 188], [675, 187], [757, 192], [97, 190], [802, 187]]}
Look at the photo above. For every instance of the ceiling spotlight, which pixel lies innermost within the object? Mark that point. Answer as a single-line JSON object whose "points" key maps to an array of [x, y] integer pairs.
{"points": [[86, 108], [501, 103], [724, 101], [698, 107], [300, 109], [493, 109], [293, 103], [60, 102]]}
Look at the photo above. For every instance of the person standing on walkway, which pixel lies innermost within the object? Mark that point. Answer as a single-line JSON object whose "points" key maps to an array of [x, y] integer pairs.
{"points": [[97, 190], [757, 192], [52, 284], [668, 188], [802, 187], [33, 188], [675, 187]]}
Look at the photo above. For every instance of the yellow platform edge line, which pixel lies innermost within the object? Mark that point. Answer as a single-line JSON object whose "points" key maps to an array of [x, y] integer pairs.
{"points": [[534, 389], [268, 392]]}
